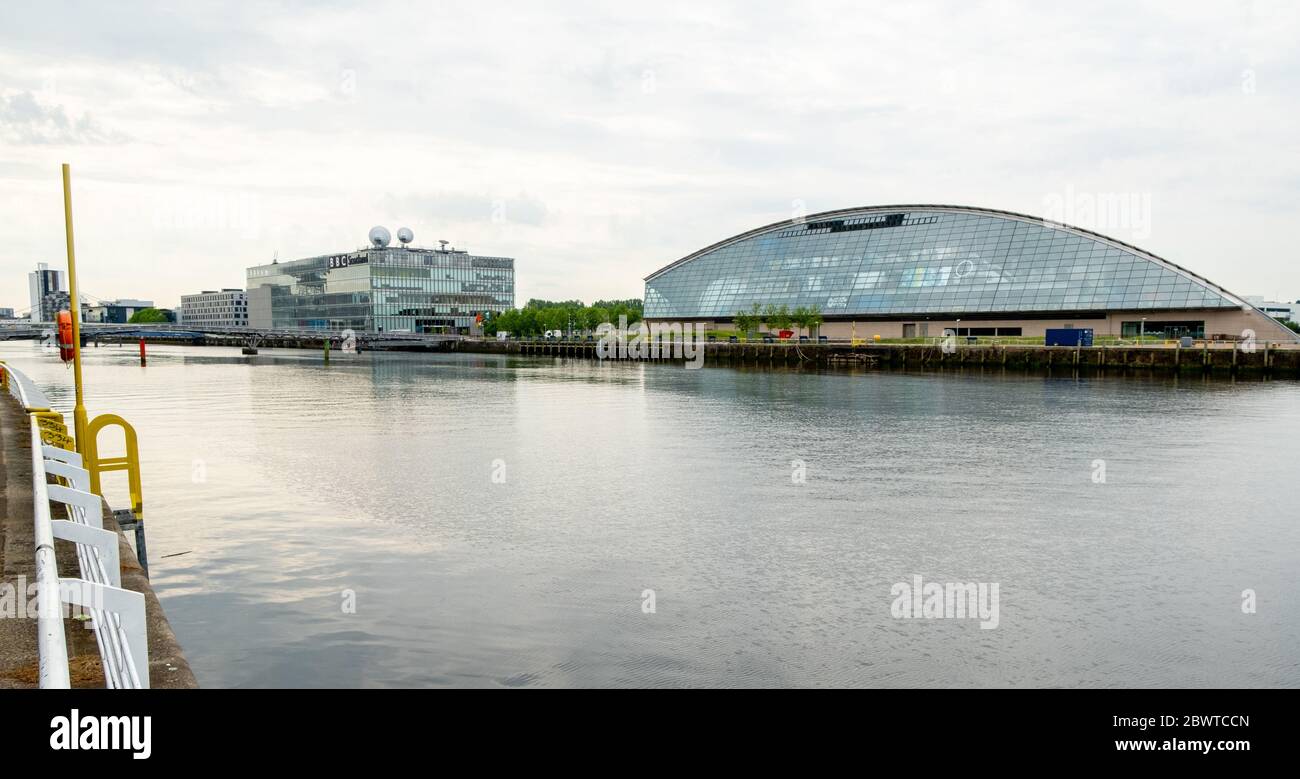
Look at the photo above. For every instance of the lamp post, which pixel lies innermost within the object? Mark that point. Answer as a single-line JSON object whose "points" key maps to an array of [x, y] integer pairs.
{"points": [[74, 308]]}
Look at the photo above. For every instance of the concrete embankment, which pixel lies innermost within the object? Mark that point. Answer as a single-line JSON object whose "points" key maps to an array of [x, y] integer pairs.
{"points": [[18, 654], [1226, 360]]}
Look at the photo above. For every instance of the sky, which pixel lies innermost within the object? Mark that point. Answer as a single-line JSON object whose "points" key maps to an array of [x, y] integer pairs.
{"points": [[597, 142]]}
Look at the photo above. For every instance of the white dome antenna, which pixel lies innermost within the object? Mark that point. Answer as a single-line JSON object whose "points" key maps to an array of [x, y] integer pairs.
{"points": [[379, 236], [405, 235]]}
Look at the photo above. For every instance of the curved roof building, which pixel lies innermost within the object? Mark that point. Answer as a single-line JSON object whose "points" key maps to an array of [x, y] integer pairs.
{"points": [[901, 270]]}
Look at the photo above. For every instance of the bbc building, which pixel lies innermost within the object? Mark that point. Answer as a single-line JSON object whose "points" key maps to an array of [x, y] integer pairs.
{"points": [[382, 289], [916, 271]]}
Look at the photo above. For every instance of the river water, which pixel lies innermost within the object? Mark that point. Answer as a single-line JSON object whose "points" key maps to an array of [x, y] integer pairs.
{"points": [[486, 521]]}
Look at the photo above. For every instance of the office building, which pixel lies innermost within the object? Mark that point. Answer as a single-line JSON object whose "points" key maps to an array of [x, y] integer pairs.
{"points": [[43, 286], [214, 308], [382, 288]]}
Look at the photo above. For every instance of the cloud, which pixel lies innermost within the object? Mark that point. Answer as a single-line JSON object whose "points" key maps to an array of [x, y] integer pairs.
{"points": [[24, 120], [596, 143], [461, 208]]}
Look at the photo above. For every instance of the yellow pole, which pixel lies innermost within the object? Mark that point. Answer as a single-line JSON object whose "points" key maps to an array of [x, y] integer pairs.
{"points": [[74, 305]]}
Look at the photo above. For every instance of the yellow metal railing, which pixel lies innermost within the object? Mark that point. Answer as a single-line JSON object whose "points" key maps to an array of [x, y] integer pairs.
{"points": [[54, 432], [129, 461]]}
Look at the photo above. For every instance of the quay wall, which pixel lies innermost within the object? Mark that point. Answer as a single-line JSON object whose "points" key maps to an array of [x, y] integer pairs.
{"points": [[1220, 359]]}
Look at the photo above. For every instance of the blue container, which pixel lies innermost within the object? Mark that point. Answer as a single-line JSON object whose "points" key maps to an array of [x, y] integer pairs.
{"points": [[1069, 336]]}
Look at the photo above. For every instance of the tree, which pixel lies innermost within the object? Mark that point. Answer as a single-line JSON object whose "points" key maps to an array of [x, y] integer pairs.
{"points": [[777, 317], [633, 307], [540, 315], [799, 316], [595, 316], [554, 318], [1291, 324], [537, 303], [808, 317], [747, 321], [528, 324], [150, 316], [504, 321]]}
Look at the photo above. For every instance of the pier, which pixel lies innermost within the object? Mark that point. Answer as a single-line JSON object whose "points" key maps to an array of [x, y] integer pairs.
{"points": [[1222, 359]]}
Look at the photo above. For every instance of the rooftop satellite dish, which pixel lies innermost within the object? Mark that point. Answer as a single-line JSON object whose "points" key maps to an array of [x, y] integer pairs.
{"points": [[405, 235], [379, 236]]}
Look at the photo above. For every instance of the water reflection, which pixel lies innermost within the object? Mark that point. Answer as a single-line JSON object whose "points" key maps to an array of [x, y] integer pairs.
{"points": [[290, 483]]}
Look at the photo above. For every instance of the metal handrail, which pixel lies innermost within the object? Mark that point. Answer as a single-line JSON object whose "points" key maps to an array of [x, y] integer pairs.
{"points": [[25, 390], [52, 646], [117, 615]]}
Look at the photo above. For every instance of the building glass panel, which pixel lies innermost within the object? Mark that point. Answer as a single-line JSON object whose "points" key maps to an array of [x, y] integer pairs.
{"points": [[388, 289], [923, 261]]}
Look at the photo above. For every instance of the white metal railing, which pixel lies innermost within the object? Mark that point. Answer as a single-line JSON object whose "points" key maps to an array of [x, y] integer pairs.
{"points": [[26, 329], [117, 615]]}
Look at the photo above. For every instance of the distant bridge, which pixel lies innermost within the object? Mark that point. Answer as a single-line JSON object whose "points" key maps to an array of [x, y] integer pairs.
{"points": [[250, 337]]}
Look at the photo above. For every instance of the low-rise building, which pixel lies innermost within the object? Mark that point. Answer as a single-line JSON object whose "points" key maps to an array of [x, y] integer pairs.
{"points": [[1275, 309], [116, 311], [214, 308]]}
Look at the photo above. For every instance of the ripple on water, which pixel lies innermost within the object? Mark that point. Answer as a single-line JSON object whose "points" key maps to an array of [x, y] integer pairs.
{"points": [[341, 525]]}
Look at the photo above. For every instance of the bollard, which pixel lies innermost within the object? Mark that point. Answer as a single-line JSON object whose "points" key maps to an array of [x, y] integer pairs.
{"points": [[327, 351], [142, 357]]}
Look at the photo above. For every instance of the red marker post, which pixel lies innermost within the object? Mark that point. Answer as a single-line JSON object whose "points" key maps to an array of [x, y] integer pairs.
{"points": [[142, 359]]}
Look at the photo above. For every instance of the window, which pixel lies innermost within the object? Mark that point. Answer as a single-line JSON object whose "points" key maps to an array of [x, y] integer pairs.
{"points": [[1166, 329]]}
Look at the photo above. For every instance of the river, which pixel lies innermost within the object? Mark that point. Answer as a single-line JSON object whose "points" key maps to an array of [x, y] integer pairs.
{"points": [[469, 520]]}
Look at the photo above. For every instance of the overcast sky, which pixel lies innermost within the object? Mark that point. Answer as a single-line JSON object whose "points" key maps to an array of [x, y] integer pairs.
{"points": [[596, 142]]}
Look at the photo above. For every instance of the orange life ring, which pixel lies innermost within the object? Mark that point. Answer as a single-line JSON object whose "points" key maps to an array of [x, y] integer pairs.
{"points": [[65, 336]]}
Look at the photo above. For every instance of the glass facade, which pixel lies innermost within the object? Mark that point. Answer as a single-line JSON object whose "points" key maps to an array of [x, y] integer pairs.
{"points": [[910, 261], [382, 290]]}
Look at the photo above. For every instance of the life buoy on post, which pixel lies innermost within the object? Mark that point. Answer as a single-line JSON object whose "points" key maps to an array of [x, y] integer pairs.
{"points": [[66, 346]]}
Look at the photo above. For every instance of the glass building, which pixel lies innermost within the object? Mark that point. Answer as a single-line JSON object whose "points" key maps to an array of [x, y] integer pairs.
{"points": [[381, 289], [905, 271], [45, 286]]}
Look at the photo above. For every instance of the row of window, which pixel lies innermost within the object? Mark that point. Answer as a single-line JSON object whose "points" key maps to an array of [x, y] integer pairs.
{"points": [[954, 262]]}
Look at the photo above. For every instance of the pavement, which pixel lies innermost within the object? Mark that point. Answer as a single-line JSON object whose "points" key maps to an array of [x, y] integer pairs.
{"points": [[18, 655]]}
